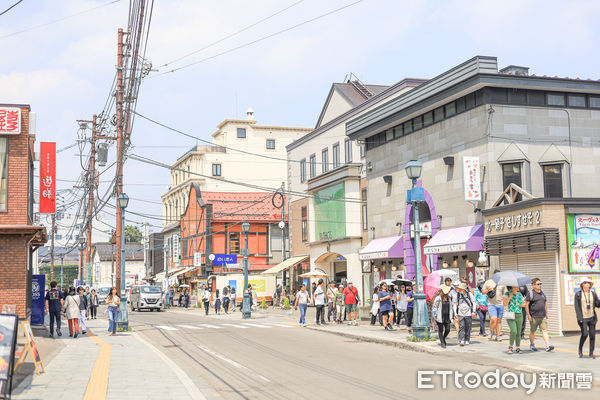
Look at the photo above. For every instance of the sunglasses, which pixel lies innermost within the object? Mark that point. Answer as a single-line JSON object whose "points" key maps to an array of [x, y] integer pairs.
{"points": [[538, 284]]}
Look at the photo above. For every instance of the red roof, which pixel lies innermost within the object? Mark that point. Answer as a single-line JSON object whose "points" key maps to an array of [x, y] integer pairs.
{"points": [[242, 206]]}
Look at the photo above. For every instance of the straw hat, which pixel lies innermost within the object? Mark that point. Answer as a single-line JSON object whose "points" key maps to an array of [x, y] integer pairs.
{"points": [[445, 289], [462, 286]]}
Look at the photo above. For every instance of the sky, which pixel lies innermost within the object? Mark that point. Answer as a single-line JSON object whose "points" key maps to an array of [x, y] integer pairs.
{"points": [[64, 70]]}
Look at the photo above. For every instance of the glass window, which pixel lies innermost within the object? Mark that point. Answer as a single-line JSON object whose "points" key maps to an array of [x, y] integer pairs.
{"points": [[241, 133], [150, 289], [348, 151], [470, 101], [270, 144], [58, 237], [553, 180], [363, 151], [438, 114], [536, 98], [234, 243], [363, 198], [498, 95], [216, 169], [313, 165], [460, 105], [398, 131], [418, 123], [325, 160], [450, 109], [336, 155], [407, 126], [594, 102], [576, 100], [511, 173], [304, 213], [517, 96], [428, 119], [555, 99], [303, 170], [389, 135]]}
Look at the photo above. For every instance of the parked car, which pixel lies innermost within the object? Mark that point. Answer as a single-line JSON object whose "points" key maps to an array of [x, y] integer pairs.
{"points": [[145, 296], [103, 292]]}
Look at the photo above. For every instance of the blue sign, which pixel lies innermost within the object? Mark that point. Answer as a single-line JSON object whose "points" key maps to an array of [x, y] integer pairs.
{"points": [[233, 284], [38, 284], [223, 259]]}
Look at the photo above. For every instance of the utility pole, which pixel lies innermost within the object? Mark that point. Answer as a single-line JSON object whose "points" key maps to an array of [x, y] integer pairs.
{"points": [[120, 153], [90, 216], [52, 247]]}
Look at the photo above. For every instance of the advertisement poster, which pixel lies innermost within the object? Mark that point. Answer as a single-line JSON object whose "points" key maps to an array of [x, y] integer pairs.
{"points": [[10, 121], [258, 285], [8, 341], [47, 177], [572, 283], [471, 178], [583, 235], [330, 213], [38, 283]]}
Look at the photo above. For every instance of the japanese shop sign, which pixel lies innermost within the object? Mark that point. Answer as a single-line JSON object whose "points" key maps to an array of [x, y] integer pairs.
{"points": [[472, 178], [47, 177], [10, 121], [583, 235], [514, 222]]}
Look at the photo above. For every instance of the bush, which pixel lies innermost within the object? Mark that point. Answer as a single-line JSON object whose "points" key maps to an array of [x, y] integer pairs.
{"points": [[286, 303], [427, 337], [263, 304]]}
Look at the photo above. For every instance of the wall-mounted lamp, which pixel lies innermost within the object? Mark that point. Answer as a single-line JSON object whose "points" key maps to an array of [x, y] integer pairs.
{"points": [[387, 179], [449, 160]]}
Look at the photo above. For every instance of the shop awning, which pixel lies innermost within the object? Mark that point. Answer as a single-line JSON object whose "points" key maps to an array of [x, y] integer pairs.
{"points": [[454, 240], [387, 247], [284, 265]]}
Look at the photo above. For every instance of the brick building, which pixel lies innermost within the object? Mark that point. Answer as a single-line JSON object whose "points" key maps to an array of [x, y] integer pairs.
{"points": [[19, 237]]}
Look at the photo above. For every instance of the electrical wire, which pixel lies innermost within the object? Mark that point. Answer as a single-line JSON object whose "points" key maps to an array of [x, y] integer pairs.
{"points": [[11, 7]]}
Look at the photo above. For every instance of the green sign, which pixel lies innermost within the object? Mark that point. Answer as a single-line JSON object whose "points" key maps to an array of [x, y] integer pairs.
{"points": [[330, 213]]}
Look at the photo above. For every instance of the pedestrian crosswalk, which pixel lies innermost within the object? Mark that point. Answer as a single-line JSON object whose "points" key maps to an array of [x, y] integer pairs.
{"points": [[217, 326]]}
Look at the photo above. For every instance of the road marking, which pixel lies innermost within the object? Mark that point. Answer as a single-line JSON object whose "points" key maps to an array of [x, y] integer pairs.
{"points": [[166, 328], [236, 326], [189, 327], [281, 325], [98, 384], [187, 382], [258, 326], [230, 361], [211, 326]]}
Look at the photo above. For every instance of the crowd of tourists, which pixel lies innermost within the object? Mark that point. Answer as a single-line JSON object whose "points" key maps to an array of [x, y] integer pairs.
{"points": [[78, 305]]}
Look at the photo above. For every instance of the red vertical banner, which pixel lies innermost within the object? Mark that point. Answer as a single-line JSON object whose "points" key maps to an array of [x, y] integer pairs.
{"points": [[47, 177]]}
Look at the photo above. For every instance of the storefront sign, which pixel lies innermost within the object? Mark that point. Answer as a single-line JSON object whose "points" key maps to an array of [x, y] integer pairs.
{"points": [[225, 259], [47, 177], [330, 212], [197, 259], [471, 179], [572, 286], [38, 283], [449, 248], [583, 235], [514, 222], [175, 239], [374, 256], [10, 121], [8, 345]]}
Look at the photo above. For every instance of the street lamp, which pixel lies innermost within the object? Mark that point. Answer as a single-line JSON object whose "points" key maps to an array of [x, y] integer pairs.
{"points": [[246, 308], [81, 241], [414, 197], [123, 320]]}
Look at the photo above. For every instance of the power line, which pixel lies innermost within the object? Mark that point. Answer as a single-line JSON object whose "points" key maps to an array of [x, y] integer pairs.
{"points": [[10, 8], [257, 40], [232, 34]]}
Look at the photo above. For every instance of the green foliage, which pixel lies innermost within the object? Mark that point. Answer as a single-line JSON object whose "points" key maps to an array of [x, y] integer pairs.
{"points": [[427, 337], [263, 304], [286, 303], [133, 234], [70, 273]]}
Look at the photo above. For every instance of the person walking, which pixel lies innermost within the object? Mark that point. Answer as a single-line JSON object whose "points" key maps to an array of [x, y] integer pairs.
{"points": [[319, 298], [585, 303], [482, 307], [401, 304], [352, 301], [513, 304], [537, 314], [375, 305], [83, 306], [302, 299], [525, 292], [112, 301], [232, 298], [331, 291], [88, 299], [443, 313], [495, 304], [339, 303], [409, 307], [54, 304], [71, 306], [217, 302], [206, 300], [226, 300], [93, 304], [385, 306], [465, 309]]}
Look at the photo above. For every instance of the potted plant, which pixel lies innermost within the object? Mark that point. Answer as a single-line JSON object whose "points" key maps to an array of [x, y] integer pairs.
{"points": [[263, 306], [287, 309]]}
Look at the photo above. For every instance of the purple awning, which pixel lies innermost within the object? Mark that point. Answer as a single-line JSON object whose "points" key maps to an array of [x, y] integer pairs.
{"points": [[388, 247], [454, 240]]}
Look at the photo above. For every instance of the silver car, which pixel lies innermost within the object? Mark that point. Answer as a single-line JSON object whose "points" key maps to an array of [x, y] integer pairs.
{"points": [[103, 293], [144, 296]]}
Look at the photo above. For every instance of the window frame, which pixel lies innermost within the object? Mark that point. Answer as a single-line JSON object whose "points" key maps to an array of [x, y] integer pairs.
{"points": [[335, 154], [218, 169], [303, 170], [312, 161], [239, 130], [304, 223], [348, 150], [267, 144], [364, 209], [559, 180], [325, 160], [232, 237]]}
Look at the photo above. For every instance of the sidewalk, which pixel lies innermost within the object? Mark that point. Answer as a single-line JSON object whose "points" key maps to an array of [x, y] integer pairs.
{"points": [[98, 366]]}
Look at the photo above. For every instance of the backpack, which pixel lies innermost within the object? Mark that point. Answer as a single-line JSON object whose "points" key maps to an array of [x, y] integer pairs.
{"points": [[491, 294]]}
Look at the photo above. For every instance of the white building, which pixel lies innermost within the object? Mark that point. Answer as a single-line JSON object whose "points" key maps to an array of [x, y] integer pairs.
{"points": [[104, 263], [231, 157], [68, 227]]}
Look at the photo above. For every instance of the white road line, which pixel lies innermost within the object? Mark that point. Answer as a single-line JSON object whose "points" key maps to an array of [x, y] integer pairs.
{"points": [[258, 326], [230, 361], [235, 326], [281, 325], [189, 327], [166, 328], [210, 326]]}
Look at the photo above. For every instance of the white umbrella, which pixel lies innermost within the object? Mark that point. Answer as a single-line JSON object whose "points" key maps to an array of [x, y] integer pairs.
{"points": [[511, 278], [315, 273], [184, 286], [444, 273]]}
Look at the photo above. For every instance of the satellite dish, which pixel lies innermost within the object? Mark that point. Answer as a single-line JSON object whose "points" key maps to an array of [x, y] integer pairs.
{"points": [[281, 224], [211, 257]]}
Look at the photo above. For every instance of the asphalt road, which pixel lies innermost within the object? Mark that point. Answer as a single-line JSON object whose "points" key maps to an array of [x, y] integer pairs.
{"points": [[269, 358]]}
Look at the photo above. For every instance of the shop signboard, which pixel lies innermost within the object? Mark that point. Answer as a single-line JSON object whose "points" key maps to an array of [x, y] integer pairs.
{"points": [[10, 120], [471, 179], [38, 283], [330, 212], [583, 236], [8, 344], [197, 259], [572, 286], [225, 259], [258, 285], [47, 177]]}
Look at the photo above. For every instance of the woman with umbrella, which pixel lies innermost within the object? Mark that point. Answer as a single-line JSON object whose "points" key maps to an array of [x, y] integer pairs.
{"points": [[585, 303], [513, 302]]}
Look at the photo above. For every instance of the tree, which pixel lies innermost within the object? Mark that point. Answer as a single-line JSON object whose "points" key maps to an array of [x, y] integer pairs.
{"points": [[133, 234]]}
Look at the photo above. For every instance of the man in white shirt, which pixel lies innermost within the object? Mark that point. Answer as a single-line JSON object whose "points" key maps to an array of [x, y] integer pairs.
{"points": [[302, 299], [319, 297]]}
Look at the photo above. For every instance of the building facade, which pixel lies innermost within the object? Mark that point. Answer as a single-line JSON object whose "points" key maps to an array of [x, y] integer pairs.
{"points": [[231, 158], [104, 263], [19, 236]]}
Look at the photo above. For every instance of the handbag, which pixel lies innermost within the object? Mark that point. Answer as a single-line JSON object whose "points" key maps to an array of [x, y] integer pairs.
{"points": [[509, 315]]}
